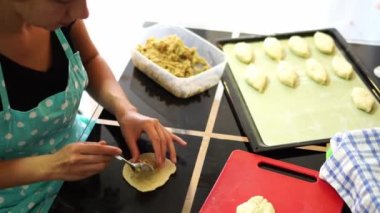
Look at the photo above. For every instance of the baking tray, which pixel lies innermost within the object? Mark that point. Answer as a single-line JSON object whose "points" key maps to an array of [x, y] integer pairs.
{"points": [[284, 117]]}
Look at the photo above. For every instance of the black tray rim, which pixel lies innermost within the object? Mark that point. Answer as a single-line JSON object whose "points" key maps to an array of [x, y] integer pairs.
{"points": [[237, 101]]}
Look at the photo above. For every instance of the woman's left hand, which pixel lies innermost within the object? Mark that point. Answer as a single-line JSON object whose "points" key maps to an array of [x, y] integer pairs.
{"points": [[133, 124]]}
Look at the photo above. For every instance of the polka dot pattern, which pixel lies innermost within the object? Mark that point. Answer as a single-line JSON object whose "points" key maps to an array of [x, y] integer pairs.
{"points": [[31, 205], [65, 46], [20, 124], [46, 128], [34, 132], [49, 103], [76, 68], [64, 105], [45, 119], [21, 143], [52, 141], [7, 116], [8, 136], [32, 115]]}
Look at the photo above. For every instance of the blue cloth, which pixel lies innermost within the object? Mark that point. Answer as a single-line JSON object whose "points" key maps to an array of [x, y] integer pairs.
{"points": [[354, 169], [44, 129]]}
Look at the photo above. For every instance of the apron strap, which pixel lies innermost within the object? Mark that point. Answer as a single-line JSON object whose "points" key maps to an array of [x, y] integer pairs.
{"points": [[65, 44], [3, 91]]}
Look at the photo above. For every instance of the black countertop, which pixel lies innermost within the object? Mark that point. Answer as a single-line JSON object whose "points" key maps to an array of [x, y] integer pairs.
{"points": [[108, 192]]}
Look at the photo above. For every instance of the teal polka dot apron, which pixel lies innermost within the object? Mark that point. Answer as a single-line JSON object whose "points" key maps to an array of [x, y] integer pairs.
{"points": [[42, 130]]}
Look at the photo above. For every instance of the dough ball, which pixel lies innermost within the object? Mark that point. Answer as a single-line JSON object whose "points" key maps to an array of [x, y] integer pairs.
{"points": [[273, 48], [324, 42], [243, 52], [286, 74], [256, 204], [362, 99], [299, 46], [342, 67], [316, 72], [149, 181], [256, 78]]}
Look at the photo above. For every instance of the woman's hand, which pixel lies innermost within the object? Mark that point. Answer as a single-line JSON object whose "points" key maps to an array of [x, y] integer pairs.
{"points": [[81, 160], [105, 89], [133, 124]]}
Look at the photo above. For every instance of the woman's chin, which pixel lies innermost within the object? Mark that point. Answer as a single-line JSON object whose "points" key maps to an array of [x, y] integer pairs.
{"points": [[51, 27]]}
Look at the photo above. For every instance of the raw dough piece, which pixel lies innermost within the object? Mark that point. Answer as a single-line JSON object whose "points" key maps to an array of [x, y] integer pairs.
{"points": [[256, 204], [324, 42], [341, 67], [287, 74], [243, 52], [256, 78], [149, 181], [299, 46], [273, 48], [316, 72], [362, 99]]}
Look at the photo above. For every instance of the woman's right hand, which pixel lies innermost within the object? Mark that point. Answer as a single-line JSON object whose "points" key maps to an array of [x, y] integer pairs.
{"points": [[81, 160]]}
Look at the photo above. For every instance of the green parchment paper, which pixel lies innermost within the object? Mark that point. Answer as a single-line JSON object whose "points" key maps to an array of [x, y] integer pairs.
{"points": [[310, 111]]}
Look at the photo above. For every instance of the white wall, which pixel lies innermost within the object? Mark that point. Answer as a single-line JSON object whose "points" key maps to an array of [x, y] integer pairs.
{"points": [[113, 24]]}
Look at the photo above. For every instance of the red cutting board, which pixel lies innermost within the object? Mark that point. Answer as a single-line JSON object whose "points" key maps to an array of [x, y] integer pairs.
{"points": [[243, 177]]}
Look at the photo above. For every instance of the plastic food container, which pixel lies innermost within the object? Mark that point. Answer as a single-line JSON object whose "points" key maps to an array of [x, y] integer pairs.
{"points": [[181, 87]]}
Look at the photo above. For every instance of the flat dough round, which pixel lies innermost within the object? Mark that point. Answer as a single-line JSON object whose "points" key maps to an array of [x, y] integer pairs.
{"points": [[149, 181]]}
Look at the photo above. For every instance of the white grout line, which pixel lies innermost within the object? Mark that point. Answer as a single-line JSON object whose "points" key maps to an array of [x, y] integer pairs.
{"points": [[230, 137], [203, 150], [95, 115], [186, 132], [107, 122], [234, 138], [314, 148]]}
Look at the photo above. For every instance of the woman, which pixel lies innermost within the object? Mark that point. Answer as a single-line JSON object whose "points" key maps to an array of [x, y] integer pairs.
{"points": [[42, 80]]}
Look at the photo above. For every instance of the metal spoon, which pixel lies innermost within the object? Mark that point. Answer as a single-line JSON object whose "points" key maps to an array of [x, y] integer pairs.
{"points": [[136, 167]]}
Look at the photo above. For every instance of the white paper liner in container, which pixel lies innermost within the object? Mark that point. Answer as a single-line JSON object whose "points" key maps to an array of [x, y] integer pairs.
{"points": [[181, 87]]}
